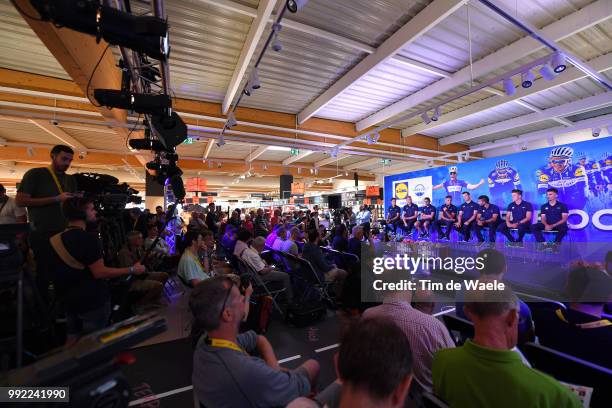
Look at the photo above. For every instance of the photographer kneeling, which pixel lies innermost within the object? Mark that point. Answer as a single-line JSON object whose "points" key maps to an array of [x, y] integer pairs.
{"points": [[79, 274], [150, 285]]}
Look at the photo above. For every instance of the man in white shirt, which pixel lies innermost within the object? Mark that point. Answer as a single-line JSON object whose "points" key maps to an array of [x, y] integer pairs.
{"points": [[289, 245], [268, 273], [281, 236], [190, 268], [10, 212]]}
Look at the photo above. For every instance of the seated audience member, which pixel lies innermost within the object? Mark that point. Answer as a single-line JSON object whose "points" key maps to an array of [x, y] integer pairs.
{"points": [[79, 274], [494, 269], [240, 379], [248, 224], [313, 254], [553, 215], [580, 330], [135, 221], [190, 268], [235, 220], [425, 333], [356, 242], [281, 236], [228, 240], [161, 247], [485, 372], [149, 285], [323, 241], [242, 242], [340, 241], [374, 364], [206, 255], [268, 273], [10, 212], [290, 245], [272, 235]]}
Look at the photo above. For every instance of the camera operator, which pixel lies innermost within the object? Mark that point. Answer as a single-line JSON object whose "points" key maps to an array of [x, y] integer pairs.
{"points": [[79, 273], [148, 286], [43, 190]]}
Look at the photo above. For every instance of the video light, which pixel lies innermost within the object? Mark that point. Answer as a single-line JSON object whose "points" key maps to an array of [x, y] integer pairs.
{"points": [[144, 34]]}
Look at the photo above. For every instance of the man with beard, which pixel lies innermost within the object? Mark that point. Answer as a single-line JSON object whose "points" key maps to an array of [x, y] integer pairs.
{"points": [[43, 190]]}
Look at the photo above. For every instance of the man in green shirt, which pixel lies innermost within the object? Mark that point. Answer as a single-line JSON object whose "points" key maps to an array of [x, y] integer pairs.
{"points": [[485, 372], [43, 190]]}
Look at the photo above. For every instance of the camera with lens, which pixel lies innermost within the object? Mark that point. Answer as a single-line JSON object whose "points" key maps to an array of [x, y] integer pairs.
{"points": [[109, 196]]}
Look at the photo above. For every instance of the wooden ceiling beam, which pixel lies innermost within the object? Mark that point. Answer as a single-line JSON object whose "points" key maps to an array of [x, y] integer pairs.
{"points": [[23, 80], [40, 156]]}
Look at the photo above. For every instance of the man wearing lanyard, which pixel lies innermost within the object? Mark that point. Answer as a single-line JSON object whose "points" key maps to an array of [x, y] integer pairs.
{"points": [[43, 190], [240, 379]]}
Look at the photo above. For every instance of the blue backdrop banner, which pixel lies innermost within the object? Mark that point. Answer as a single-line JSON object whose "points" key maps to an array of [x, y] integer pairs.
{"points": [[582, 172]]}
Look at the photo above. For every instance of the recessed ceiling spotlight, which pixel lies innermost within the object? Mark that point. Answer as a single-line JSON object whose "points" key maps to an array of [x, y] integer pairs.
{"points": [[558, 62], [527, 79]]}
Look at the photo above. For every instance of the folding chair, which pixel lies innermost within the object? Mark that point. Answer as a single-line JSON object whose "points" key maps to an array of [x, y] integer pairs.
{"points": [[335, 256], [464, 327], [567, 368], [259, 284], [309, 275]]}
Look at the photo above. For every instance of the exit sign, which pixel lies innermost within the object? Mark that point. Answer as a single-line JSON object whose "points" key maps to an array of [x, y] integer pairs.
{"points": [[189, 140], [384, 162], [295, 152]]}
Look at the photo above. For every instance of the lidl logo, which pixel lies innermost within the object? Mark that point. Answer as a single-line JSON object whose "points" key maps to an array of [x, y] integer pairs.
{"points": [[401, 191], [419, 190]]}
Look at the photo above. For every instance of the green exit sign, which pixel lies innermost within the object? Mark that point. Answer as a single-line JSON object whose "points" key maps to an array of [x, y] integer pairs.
{"points": [[189, 140], [385, 162], [295, 152]]}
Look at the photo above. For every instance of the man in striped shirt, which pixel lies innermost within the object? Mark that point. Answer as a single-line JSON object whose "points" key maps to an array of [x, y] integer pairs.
{"points": [[425, 333]]}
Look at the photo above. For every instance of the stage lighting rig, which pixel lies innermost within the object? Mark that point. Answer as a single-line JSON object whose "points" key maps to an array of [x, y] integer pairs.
{"points": [[144, 34], [152, 104]]}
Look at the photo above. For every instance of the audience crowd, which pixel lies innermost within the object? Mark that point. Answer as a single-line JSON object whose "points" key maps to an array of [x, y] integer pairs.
{"points": [[391, 354]]}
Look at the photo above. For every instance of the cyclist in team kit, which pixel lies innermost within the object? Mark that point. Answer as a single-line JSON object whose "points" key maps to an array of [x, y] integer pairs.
{"points": [[595, 177], [569, 179], [454, 186], [605, 164], [428, 216], [448, 216], [502, 181]]}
